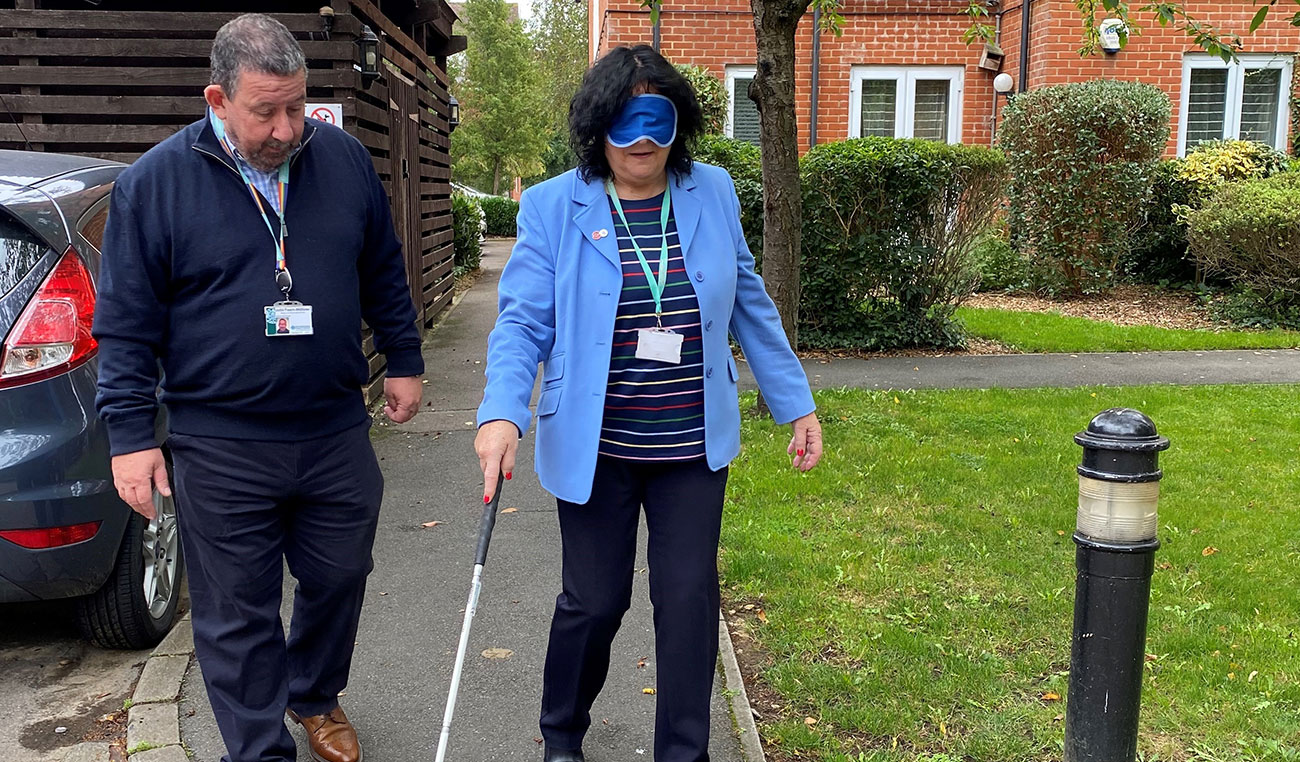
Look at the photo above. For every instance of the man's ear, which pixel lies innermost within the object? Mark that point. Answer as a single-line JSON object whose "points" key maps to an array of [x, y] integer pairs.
{"points": [[216, 97]]}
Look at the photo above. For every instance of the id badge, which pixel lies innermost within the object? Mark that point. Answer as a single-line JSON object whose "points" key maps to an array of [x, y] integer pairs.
{"points": [[659, 344], [288, 319]]}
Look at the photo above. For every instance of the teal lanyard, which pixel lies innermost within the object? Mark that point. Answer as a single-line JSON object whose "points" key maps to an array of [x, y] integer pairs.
{"points": [[657, 285], [280, 264]]}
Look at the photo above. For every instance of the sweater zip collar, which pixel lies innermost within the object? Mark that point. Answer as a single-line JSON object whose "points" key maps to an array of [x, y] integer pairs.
{"points": [[207, 136]]}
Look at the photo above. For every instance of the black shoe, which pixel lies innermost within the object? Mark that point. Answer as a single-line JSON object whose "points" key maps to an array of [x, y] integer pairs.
{"points": [[562, 755]]}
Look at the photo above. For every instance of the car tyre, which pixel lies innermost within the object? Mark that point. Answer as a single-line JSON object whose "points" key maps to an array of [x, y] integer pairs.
{"points": [[136, 606]]}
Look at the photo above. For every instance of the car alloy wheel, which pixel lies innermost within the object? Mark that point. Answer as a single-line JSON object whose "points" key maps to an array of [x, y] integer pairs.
{"points": [[161, 551]]}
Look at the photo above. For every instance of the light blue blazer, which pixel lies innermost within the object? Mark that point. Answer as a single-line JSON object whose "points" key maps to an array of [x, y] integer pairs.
{"points": [[558, 298]]}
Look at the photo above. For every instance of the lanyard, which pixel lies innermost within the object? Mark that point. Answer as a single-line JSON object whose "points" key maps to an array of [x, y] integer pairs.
{"points": [[282, 277], [656, 285]]}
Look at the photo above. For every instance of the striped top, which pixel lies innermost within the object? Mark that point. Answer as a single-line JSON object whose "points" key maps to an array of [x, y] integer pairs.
{"points": [[654, 411]]}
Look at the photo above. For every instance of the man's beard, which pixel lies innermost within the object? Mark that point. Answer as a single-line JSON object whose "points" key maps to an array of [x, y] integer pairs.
{"points": [[268, 156]]}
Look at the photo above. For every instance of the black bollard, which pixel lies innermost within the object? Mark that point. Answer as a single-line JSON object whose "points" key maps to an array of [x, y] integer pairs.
{"points": [[1119, 491]]}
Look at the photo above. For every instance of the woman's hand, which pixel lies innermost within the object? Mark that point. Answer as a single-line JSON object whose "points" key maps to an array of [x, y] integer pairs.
{"points": [[806, 444], [496, 444]]}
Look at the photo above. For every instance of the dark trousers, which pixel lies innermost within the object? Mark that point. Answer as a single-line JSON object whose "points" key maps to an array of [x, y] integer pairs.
{"points": [[683, 509], [244, 507]]}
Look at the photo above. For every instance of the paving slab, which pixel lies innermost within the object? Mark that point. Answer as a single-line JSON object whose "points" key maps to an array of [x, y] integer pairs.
{"points": [[161, 679], [152, 725]]}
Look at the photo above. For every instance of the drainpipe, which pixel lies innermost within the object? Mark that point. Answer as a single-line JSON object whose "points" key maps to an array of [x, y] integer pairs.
{"points": [[654, 32], [816, 75], [1026, 8]]}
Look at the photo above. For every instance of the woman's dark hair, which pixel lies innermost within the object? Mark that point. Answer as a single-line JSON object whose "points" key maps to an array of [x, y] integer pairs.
{"points": [[605, 90]]}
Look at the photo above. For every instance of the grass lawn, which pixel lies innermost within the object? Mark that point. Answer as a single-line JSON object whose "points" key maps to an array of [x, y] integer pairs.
{"points": [[917, 588], [1053, 332]]}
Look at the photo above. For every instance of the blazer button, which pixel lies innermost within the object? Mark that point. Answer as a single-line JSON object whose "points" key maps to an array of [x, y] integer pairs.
{"points": [[708, 326], [699, 276], [708, 373]]}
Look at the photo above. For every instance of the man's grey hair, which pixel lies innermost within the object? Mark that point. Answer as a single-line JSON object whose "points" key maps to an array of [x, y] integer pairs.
{"points": [[254, 42]]}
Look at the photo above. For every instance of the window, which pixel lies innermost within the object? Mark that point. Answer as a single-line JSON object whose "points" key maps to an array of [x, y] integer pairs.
{"points": [[92, 226], [1245, 100], [742, 113], [922, 102]]}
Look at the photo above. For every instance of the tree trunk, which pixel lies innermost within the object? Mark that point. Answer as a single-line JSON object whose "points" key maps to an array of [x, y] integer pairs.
{"points": [[775, 23], [496, 177]]}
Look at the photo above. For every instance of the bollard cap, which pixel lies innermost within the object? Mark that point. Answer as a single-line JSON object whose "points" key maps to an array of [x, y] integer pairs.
{"points": [[1121, 445]]}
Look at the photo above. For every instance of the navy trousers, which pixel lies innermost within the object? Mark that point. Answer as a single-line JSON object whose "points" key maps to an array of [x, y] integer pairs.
{"points": [[245, 507], [683, 510]]}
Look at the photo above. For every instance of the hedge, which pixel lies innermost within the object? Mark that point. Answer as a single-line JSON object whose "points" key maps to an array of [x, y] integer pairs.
{"points": [[467, 226], [888, 231], [501, 215], [1250, 232], [1082, 159], [744, 161]]}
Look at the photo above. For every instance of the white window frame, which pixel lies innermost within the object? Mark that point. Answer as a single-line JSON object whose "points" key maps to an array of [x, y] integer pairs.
{"points": [[905, 79], [734, 73], [1236, 82]]}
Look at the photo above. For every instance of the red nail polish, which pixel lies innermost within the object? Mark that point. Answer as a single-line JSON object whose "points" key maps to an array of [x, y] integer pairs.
{"points": [[507, 476], [800, 452], [486, 500]]}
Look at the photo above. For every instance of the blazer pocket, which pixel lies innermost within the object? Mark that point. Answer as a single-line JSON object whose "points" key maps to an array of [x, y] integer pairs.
{"points": [[553, 370], [549, 401], [732, 370]]}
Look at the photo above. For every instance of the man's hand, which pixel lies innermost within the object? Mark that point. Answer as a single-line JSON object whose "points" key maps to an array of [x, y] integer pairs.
{"points": [[496, 444], [136, 475], [806, 444], [402, 398]]}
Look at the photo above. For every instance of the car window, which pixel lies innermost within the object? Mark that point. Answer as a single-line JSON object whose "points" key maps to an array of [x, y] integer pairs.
{"points": [[20, 250], [92, 228]]}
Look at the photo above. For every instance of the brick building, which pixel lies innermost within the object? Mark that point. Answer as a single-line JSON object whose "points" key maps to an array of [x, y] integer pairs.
{"points": [[901, 69]]}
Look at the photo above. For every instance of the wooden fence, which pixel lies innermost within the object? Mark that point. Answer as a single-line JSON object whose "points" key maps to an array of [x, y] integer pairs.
{"points": [[112, 83]]}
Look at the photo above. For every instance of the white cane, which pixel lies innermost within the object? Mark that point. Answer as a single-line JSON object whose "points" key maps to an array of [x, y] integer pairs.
{"points": [[484, 538]]}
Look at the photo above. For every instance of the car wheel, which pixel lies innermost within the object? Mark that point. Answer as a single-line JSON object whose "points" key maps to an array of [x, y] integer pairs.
{"points": [[136, 607]]}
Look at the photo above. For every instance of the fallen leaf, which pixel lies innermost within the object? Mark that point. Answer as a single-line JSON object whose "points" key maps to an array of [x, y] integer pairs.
{"points": [[897, 402], [1152, 657], [1209, 551], [538, 741], [762, 616], [648, 691], [1251, 679], [429, 524], [1051, 696], [510, 510], [943, 730], [810, 721], [1165, 566], [1061, 532], [640, 663], [498, 653]]}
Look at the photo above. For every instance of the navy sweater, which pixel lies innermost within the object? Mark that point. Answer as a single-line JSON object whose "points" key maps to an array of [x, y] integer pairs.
{"points": [[188, 267]]}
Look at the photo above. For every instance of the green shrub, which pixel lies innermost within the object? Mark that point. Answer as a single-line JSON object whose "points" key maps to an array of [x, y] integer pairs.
{"points": [[501, 213], [712, 95], [467, 226], [1250, 232], [1000, 266], [1081, 158], [1159, 250], [743, 161], [1214, 163], [888, 229]]}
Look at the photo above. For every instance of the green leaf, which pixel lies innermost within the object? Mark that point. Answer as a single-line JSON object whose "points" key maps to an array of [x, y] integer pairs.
{"points": [[1260, 15]]}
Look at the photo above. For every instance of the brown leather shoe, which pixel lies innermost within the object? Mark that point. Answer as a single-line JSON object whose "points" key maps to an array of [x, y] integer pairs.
{"points": [[330, 737]]}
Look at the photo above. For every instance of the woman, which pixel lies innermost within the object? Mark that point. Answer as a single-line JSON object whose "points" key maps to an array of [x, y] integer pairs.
{"points": [[626, 278]]}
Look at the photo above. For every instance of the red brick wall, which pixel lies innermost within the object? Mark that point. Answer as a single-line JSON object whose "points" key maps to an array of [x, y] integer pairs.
{"points": [[918, 33]]}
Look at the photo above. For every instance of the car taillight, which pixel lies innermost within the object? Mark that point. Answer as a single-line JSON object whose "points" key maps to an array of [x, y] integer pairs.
{"points": [[52, 537], [52, 336]]}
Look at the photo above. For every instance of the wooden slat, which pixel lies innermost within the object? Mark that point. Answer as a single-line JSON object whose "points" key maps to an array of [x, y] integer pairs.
{"points": [[433, 240], [142, 105], [373, 390], [377, 364], [126, 76], [439, 304], [371, 139], [434, 223], [89, 133], [142, 21], [368, 9], [46, 47], [435, 206], [382, 166], [441, 265], [371, 113]]}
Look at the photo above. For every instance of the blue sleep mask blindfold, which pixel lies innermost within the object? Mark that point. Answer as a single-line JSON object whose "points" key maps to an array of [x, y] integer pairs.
{"points": [[650, 117]]}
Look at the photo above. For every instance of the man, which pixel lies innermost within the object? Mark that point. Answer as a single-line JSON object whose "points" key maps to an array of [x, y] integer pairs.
{"points": [[256, 215]]}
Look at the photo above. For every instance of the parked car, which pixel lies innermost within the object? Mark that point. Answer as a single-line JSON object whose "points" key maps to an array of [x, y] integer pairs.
{"points": [[64, 532]]}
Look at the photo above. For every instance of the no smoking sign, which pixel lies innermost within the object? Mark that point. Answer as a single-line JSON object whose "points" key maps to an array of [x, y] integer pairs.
{"points": [[329, 113]]}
